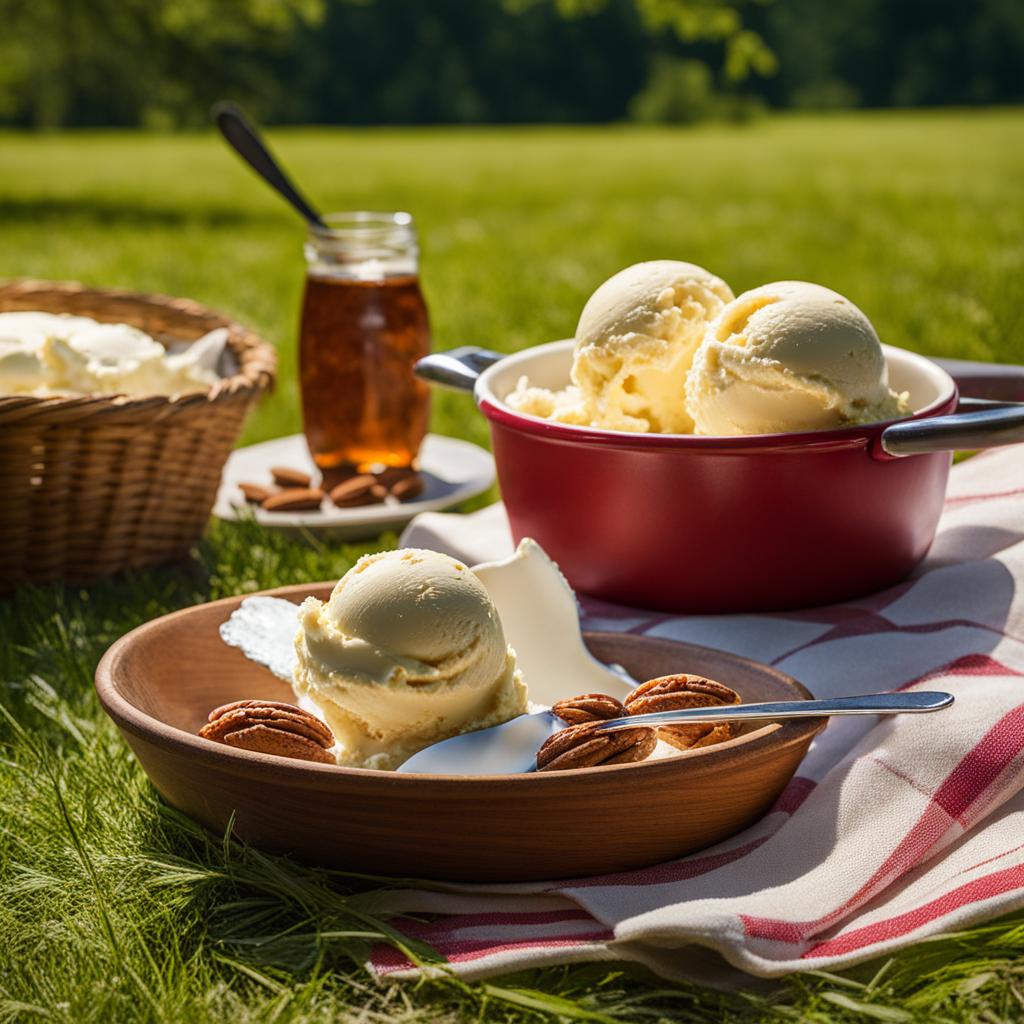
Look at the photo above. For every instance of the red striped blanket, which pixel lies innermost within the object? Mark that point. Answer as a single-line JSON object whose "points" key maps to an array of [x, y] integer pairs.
{"points": [[893, 830]]}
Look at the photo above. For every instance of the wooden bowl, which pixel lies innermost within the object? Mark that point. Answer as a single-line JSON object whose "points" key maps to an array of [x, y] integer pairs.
{"points": [[159, 682]]}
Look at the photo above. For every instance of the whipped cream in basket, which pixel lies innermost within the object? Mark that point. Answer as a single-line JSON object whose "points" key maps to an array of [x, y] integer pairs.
{"points": [[47, 354]]}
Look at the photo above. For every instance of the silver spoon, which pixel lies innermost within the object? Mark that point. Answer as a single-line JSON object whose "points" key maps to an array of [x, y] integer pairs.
{"points": [[511, 748], [245, 140]]}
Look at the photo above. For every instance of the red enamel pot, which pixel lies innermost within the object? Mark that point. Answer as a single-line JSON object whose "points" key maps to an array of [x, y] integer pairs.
{"points": [[729, 524]]}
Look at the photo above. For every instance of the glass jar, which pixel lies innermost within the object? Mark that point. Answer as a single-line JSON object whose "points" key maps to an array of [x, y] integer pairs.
{"points": [[364, 326]]}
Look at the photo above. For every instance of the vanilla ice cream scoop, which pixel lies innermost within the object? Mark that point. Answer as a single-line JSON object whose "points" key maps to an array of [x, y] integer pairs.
{"points": [[635, 342], [789, 356], [408, 650]]}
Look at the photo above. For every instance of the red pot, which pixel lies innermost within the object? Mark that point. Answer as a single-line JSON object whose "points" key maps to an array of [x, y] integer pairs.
{"points": [[728, 524]]}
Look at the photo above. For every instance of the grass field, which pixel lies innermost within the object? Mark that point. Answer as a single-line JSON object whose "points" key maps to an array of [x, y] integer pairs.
{"points": [[112, 907]]}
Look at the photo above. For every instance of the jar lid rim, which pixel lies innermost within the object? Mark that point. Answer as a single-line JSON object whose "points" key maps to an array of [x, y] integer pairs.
{"points": [[362, 224]]}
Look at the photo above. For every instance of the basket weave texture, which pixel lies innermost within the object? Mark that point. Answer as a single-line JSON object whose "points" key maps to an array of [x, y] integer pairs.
{"points": [[94, 484]]}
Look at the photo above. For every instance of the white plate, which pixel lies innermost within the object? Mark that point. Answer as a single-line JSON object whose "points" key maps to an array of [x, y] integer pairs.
{"points": [[453, 471]]}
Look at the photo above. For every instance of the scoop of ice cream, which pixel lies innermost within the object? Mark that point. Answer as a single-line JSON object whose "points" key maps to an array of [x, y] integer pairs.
{"points": [[634, 345], [568, 405], [789, 356], [407, 651]]}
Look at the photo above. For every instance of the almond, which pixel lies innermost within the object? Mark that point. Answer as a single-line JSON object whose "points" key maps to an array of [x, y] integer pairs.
{"points": [[330, 478], [358, 490], [285, 477], [408, 487], [256, 493], [390, 475], [294, 499]]}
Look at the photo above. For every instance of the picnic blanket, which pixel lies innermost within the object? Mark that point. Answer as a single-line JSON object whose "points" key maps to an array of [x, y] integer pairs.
{"points": [[893, 829]]}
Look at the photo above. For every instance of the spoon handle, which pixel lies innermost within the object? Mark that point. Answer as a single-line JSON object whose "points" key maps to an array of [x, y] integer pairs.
{"points": [[243, 137], [866, 704]]}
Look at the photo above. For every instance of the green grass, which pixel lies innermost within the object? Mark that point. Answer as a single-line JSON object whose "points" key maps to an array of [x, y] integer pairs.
{"points": [[114, 908]]}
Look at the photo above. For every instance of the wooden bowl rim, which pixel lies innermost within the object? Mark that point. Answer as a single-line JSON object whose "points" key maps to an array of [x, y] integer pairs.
{"points": [[701, 761]]}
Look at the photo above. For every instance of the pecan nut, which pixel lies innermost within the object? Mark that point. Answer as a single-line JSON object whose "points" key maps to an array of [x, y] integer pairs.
{"points": [[677, 692], [588, 707], [270, 727], [580, 746]]}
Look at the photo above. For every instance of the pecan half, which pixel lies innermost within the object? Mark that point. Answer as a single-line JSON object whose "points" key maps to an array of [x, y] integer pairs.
{"points": [[677, 692], [270, 727], [580, 746], [588, 707]]}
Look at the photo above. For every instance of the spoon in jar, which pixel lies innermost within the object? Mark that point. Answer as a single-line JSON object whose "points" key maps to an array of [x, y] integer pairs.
{"points": [[511, 748], [247, 142]]}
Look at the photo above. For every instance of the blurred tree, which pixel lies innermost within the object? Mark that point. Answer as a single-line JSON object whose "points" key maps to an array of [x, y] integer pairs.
{"points": [[403, 61], [162, 62], [717, 20], [680, 88], [690, 21], [136, 61], [681, 91], [677, 92], [877, 53]]}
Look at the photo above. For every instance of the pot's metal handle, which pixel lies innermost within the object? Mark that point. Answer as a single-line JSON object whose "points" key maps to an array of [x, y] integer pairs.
{"points": [[986, 426], [458, 368], [990, 414]]}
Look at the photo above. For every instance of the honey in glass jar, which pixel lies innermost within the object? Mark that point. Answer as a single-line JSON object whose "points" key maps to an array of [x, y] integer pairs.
{"points": [[364, 325]]}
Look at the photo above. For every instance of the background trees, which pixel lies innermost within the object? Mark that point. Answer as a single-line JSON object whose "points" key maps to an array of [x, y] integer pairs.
{"points": [[160, 63]]}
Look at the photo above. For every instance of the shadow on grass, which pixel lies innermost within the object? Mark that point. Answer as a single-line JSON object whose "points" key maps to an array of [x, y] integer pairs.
{"points": [[265, 911], [57, 633], [116, 212]]}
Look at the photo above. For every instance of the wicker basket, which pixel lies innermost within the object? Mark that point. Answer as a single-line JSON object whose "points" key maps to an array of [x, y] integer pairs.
{"points": [[91, 485]]}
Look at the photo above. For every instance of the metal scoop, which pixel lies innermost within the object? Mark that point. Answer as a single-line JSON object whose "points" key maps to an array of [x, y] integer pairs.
{"points": [[511, 748]]}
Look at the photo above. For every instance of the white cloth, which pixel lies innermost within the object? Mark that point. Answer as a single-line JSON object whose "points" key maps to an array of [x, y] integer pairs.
{"points": [[892, 830]]}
